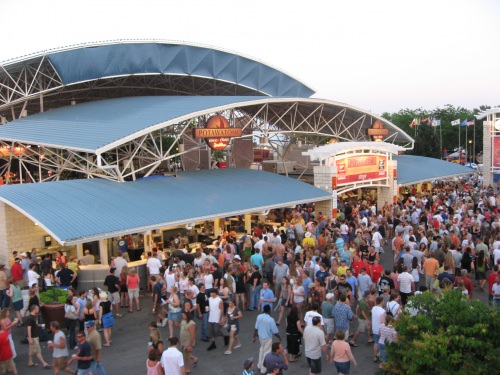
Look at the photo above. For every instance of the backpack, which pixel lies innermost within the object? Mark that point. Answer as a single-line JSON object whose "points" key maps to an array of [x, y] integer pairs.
{"points": [[389, 309]]}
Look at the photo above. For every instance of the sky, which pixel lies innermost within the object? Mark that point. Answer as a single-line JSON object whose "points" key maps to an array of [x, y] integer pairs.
{"points": [[378, 55]]}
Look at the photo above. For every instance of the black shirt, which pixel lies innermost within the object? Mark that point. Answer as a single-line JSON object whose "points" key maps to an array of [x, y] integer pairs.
{"points": [[31, 321], [65, 276], [202, 301], [113, 283]]}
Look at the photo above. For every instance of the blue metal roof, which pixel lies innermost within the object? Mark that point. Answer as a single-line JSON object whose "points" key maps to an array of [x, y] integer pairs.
{"points": [[102, 61], [76, 211], [94, 125], [413, 169]]}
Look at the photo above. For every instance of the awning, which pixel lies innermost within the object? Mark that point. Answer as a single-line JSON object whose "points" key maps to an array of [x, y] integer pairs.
{"points": [[78, 211]]}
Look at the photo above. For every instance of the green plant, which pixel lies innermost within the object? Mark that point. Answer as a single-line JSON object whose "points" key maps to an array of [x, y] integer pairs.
{"points": [[449, 335], [54, 296]]}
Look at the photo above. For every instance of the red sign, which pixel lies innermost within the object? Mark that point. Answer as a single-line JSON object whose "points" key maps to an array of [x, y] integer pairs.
{"points": [[496, 152], [217, 132], [361, 168]]}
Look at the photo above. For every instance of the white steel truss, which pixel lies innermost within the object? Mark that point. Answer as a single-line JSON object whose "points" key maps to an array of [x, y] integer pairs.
{"points": [[283, 123]]}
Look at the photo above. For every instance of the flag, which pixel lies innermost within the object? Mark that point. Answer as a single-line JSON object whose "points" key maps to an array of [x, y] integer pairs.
{"points": [[463, 123], [455, 122], [436, 122], [471, 123], [413, 123], [417, 121], [424, 121]]}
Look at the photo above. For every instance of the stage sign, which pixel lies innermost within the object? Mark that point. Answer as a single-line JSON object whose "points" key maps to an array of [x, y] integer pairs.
{"points": [[496, 151], [361, 168], [217, 132]]}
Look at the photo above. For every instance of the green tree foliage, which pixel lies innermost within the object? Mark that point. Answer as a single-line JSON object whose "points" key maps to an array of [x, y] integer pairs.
{"points": [[450, 335], [431, 141]]}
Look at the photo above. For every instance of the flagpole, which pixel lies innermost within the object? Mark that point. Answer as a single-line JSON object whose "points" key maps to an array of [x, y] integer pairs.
{"points": [[441, 141], [459, 144], [466, 130], [474, 143]]}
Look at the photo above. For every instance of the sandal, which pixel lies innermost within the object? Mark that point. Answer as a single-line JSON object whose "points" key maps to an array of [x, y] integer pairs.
{"points": [[47, 366], [195, 363], [353, 344]]}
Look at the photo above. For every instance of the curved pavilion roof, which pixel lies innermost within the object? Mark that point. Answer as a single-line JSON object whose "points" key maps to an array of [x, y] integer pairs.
{"points": [[102, 125], [95, 71]]}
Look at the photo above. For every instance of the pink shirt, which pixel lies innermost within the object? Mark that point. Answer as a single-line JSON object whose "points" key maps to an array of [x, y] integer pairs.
{"points": [[133, 281], [341, 351]]}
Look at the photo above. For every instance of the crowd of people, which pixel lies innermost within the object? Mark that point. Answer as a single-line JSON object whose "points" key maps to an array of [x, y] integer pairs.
{"points": [[321, 277]]}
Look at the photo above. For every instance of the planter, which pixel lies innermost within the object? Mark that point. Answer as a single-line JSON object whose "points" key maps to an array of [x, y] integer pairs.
{"points": [[52, 313]]}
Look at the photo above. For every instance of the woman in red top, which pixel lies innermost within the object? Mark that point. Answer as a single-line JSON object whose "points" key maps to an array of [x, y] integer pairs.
{"points": [[61, 258], [133, 289]]}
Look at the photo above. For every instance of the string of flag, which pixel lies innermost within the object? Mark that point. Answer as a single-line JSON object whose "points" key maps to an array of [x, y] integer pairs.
{"points": [[432, 121]]}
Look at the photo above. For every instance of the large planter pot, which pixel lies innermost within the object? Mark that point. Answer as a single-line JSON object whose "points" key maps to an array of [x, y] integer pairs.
{"points": [[52, 313]]}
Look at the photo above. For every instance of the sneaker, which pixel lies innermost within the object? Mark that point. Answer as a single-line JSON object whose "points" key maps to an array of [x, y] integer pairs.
{"points": [[119, 315], [212, 346], [237, 346], [227, 352], [164, 322]]}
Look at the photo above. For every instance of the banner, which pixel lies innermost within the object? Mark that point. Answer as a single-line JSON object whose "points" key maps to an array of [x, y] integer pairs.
{"points": [[496, 152], [455, 122], [361, 168]]}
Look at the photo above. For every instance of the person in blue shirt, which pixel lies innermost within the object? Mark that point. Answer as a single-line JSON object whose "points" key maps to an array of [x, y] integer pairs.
{"points": [[305, 284], [256, 259], [266, 296], [122, 246], [265, 328]]}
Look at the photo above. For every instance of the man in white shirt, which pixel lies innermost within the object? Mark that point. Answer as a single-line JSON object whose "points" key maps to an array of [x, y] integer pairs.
{"points": [[311, 314], [378, 316], [153, 265], [215, 316], [172, 360], [119, 262], [406, 285]]}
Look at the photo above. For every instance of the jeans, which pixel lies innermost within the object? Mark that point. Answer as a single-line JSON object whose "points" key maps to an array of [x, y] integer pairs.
{"points": [[204, 326], [4, 299], [381, 348], [254, 297], [97, 368], [71, 326]]}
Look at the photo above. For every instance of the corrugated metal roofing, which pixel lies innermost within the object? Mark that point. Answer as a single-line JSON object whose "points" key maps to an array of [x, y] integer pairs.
{"points": [[413, 169], [102, 61], [93, 125], [76, 211]]}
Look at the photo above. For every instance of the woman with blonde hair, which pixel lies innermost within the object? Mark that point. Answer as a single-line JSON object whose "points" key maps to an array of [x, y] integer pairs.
{"points": [[133, 281], [123, 287], [174, 311], [187, 338]]}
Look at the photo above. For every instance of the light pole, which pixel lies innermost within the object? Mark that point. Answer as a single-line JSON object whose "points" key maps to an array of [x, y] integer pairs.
{"points": [[471, 153]]}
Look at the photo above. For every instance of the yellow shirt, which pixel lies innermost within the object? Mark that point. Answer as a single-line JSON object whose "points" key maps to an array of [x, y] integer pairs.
{"points": [[308, 241], [342, 270], [73, 266]]}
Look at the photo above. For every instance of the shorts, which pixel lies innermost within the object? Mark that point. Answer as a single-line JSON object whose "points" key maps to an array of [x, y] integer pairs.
{"points": [[314, 365], [18, 305], [329, 326], [376, 338], [114, 298], [35, 347], [362, 325], [133, 293], [343, 367], [60, 363], [123, 288], [235, 328], [214, 330], [8, 365]]}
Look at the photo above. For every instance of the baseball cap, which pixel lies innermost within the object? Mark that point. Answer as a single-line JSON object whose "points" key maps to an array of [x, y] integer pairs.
{"points": [[247, 363], [237, 257]]}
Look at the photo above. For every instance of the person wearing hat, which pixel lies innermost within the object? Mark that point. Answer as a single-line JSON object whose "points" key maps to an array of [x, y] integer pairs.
{"points": [[113, 284], [106, 316], [308, 241], [172, 359], [248, 366], [94, 340]]}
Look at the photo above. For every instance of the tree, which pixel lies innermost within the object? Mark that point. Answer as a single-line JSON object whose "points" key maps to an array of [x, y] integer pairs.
{"points": [[449, 335]]}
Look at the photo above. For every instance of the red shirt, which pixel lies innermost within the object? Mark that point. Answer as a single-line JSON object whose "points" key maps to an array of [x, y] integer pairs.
{"points": [[5, 348], [356, 267], [467, 284], [377, 270], [17, 272]]}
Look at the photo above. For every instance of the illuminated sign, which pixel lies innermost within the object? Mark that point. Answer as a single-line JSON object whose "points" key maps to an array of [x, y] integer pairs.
{"points": [[361, 168], [496, 152], [217, 132], [377, 131]]}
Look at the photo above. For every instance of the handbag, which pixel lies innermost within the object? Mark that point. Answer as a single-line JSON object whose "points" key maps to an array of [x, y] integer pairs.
{"points": [[68, 314]]}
